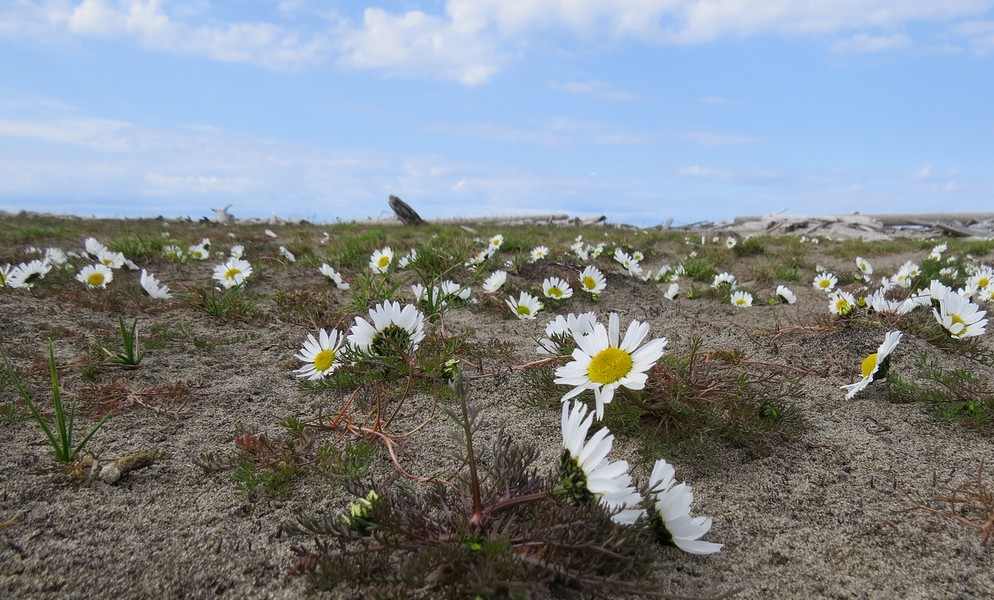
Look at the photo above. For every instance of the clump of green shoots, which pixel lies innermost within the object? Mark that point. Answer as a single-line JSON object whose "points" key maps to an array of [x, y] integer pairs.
{"points": [[61, 432], [130, 355]]}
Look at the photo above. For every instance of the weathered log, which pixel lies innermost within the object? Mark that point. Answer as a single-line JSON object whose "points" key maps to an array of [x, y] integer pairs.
{"points": [[404, 212]]}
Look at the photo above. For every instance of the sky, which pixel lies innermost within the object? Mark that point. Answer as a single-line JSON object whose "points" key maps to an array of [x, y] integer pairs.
{"points": [[638, 110]]}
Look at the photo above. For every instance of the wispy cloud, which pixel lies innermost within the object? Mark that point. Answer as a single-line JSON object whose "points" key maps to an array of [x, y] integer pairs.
{"points": [[751, 177], [557, 132], [715, 140], [864, 43], [601, 90]]}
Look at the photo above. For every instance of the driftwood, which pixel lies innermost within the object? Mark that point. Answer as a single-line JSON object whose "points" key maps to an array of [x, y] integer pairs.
{"points": [[404, 212], [866, 226]]}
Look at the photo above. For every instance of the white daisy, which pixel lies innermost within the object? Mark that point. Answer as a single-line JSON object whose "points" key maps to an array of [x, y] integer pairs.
{"points": [[960, 317], [320, 355], [556, 288], [724, 279], [538, 253], [232, 272], [380, 260], [981, 278], [94, 248], [825, 282], [199, 251], [287, 254], [113, 260], [334, 276], [784, 293], [419, 291], [841, 303], [603, 362], [730, 242], [95, 276], [173, 251], [4, 273], [592, 280], [741, 299], [270, 233], [407, 259], [562, 331], [152, 286], [451, 289], [586, 473], [495, 281], [237, 251], [671, 520], [495, 243], [25, 275], [525, 307], [672, 291], [879, 303], [864, 266], [875, 365], [394, 328], [55, 256]]}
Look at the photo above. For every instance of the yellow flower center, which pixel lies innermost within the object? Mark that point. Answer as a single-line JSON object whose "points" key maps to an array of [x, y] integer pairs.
{"points": [[95, 279], [958, 325], [740, 301], [824, 283], [324, 360], [232, 273], [841, 304], [589, 283], [384, 261], [983, 282], [609, 365], [523, 310], [869, 363], [555, 292]]}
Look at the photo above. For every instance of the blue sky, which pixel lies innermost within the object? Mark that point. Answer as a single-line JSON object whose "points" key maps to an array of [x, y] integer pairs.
{"points": [[640, 110]]}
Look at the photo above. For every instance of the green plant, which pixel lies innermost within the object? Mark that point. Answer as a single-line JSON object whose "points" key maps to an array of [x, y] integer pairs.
{"points": [[952, 394], [61, 432], [368, 289], [130, 355], [232, 302]]}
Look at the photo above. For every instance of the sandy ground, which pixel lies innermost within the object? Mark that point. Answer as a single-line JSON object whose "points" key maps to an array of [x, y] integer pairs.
{"points": [[813, 518]]}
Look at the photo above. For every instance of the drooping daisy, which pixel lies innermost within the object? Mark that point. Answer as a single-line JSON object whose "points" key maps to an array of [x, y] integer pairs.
{"points": [[495, 281], [25, 275], [56, 256], [380, 260], [841, 303], [232, 272], [525, 307], [875, 365], [172, 251], [960, 317], [592, 280], [394, 329], [864, 266], [538, 253], [604, 362], [630, 263], [320, 355], [152, 286], [237, 251], [585, 472], [95, 276], [407, 259], [334, 276], [824, 281], [556, 288], [451, 289], [94, 248], [672, 291], [419, 291], [741, 299], [289, 256], [785, 294], [986, 294], [724, 279], [879, 303], [562, 331], [671, 520]]}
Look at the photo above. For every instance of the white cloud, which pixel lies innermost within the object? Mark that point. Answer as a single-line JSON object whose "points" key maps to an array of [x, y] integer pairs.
{"points": [[863, 43], [979, 35], [97, 134], [557, 132], [751, 177]]}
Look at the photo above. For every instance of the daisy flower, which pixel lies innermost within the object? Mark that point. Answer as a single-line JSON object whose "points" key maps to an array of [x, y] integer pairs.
{"points": [[55, 256], [232, 272], [95, 276], [672, 291], [237, 251], [960, 317], [730, 242], [451, 289], [841, 303], [525, 307], [320, 355], [152, 286], [825, 282], [393, 328], [173, 251], [25, 275], [407, 259], [630, 263], [113, 260], [784, 293], [538, 253], [4, 273], [864, 266], [495, 243], [671, 520], [94, 248], [562, 331], [986, 294], [495, 281], [724, 278], [741, 299], [287, 254], [981, 278], [556, 288], [334, 276], [419, 291], [604, 362], [586, 473], [879, 303], [199, 251], [380, 260], [592, 280], [875, 365]]}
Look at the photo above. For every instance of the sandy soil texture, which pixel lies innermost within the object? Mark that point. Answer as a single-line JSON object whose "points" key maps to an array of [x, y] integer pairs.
{"points": [[816, 516]]}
